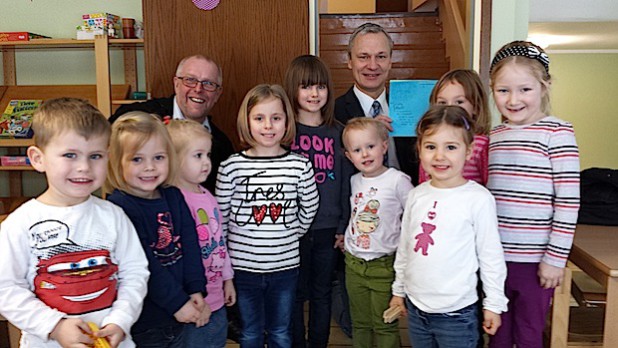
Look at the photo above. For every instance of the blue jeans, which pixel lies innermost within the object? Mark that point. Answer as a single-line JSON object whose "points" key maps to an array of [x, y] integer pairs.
{"points": [[265, 301], [211, 335], [317, 257], [161, 337], [457, 329]]}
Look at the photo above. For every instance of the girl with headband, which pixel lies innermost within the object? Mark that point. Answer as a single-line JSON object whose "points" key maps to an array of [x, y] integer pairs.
{"points": [[534, 176]]}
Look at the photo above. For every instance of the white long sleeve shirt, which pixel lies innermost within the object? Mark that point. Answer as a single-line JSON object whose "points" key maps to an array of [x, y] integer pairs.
{"points": [[81, 261], [376, 208], [446, 236]]}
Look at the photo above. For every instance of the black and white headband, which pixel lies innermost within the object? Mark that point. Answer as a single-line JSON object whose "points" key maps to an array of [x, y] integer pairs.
{"points": [[531, 52]]}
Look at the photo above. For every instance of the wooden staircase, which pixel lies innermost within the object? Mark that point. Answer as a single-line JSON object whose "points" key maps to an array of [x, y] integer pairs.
{"points": [[419, 51]]}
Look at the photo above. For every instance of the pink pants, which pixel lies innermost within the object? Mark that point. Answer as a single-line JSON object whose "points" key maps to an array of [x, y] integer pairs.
{"points": [[529, 304]]}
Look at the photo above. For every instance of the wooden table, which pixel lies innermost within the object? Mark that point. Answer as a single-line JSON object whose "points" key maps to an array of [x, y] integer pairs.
{"points": [[14, 334], [595, 251]]}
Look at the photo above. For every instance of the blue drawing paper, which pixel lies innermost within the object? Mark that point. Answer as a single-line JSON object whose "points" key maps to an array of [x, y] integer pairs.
{"points": [[408, 101]]}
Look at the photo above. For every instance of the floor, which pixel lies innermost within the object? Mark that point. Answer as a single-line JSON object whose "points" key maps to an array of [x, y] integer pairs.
{"points": [[584, 326], [339, 340]]}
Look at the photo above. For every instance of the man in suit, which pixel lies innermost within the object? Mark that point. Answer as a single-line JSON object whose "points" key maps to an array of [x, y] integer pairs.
{"points": [[197, 88], [370, 51]]}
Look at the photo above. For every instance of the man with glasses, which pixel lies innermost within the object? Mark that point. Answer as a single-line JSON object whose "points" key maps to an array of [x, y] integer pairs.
{"points": [[197, 88]]}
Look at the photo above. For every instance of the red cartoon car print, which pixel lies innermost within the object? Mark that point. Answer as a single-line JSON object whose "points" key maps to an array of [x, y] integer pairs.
{"points": [[77, 282]]}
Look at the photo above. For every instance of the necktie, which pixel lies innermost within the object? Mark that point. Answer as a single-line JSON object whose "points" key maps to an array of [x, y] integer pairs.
{"points": [[376, 109]]}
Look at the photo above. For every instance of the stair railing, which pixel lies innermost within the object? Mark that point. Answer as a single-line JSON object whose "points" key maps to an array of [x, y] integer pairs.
{"points": [[456, 19]]}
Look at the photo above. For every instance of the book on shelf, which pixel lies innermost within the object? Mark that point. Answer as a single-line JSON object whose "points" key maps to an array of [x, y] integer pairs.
{"points": [[16, 120], [20, 36], [11, 161]]}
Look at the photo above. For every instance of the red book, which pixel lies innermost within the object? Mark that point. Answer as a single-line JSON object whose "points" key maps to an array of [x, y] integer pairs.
{"points": [[19, 36]]}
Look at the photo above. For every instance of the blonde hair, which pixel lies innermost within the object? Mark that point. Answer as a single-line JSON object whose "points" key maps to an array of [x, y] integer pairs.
{"points": [[474, 92], [363, 123], [129, 133], [534, 65], [308, 70], [259, 94], [59, 115], [182, 132]]}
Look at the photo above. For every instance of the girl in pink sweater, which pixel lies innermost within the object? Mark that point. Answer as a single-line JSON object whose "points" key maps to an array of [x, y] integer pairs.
{"points": [[463, 88], [193, 145]]}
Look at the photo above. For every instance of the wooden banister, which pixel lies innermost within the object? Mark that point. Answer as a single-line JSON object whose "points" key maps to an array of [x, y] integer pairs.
{"points": [[456, 33], [414, 4]]}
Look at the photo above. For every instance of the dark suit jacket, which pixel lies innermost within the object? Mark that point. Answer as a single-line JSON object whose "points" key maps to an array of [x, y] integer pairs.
{"points": [[221, 145], [347, 106]]}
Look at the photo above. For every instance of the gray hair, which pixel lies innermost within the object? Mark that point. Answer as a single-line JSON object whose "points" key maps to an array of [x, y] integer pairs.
{"points": [[369, 28], [200, 57]]}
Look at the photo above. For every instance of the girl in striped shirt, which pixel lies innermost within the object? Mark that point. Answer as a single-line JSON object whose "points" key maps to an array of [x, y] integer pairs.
{"points": [[463, 87], [268, 199], [534, 177]]}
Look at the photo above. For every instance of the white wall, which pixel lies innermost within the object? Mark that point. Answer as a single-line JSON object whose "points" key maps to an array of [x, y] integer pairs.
{"points": [[509, 20], [58, 19]]}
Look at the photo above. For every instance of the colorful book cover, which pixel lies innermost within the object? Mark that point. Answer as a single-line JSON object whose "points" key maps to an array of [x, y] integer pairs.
{"points": [[17, 118]]}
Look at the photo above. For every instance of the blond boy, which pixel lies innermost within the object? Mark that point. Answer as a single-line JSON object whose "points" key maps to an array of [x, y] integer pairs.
{"points": [[378, 196], [67, 257]]}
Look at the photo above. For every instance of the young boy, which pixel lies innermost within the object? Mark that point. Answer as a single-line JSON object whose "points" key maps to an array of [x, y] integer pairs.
{"points": [[378, 196], [68, 258]]}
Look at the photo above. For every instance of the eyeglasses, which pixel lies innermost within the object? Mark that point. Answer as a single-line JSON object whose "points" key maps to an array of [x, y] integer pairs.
{"points": [[191, 82]]}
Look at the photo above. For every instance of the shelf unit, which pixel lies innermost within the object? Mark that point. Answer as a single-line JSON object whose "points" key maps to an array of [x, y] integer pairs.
{"points": [[16, 143], [103, 89], [101, 45]]}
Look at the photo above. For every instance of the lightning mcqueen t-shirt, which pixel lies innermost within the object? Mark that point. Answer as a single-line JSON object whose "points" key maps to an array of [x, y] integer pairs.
{"points": [[81, 261]]}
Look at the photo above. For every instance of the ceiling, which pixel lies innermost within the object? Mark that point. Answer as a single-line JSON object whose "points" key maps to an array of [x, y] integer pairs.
{"points": [[583, 25]]}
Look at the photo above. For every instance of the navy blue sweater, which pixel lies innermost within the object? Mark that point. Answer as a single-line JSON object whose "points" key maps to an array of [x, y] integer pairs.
{"points": [[167, 232], [323, 147]]}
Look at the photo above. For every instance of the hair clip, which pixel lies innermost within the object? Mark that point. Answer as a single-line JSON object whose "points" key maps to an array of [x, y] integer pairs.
{"points": [[466, 124], [532, 52]]}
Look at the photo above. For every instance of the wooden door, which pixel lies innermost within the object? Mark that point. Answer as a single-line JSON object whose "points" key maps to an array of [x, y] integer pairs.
{"points": [[252, 40]]}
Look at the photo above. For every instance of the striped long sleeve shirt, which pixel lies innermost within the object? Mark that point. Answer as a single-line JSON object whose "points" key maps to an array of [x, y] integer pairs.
{"points": [[534, 177], [267, 204]]}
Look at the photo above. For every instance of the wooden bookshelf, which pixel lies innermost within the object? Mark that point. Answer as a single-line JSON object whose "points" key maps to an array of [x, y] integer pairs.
{"points": [[15, 168], [16, 142], [101, 45], [102, 94], [71, 43]]}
